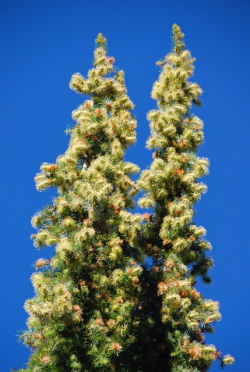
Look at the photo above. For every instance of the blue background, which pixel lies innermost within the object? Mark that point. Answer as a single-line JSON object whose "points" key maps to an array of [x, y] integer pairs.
{"points": [[43, 42]]}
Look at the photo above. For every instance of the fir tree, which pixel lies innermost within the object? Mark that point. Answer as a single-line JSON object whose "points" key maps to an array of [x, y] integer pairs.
{"points": [[175, 244], [119, 291], [81, 316]]}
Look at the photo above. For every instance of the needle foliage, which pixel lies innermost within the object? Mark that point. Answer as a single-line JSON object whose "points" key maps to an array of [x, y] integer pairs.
{"points": [[119, 292]]}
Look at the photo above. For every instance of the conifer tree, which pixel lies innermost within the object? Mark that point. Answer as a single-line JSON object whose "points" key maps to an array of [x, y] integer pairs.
{"points": [[119, 291], [177, 247], [81, 316]]}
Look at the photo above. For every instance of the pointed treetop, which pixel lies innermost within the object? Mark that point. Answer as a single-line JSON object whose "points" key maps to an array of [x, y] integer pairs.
{"points": [[101, 41], [177, 39]]}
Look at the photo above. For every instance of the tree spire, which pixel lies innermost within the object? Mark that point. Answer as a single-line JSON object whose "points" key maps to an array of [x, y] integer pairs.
{"points": [[81, 315], [172, 188], [178, 36], [101, 41]]}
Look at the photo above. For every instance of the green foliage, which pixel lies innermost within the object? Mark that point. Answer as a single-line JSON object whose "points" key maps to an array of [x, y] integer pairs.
{"points": [[119, 291]]}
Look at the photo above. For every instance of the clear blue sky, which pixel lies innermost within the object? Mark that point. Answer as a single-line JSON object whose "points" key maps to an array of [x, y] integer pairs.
{"points": [[43, 42]]}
